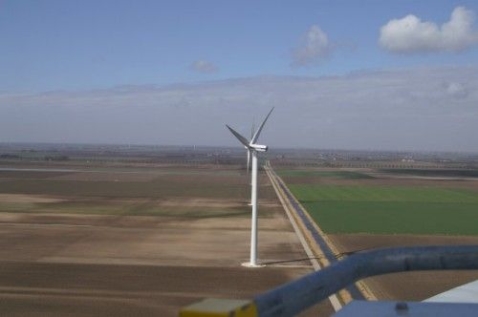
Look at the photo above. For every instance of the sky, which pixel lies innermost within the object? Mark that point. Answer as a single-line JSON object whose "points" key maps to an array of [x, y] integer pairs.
{"points": [[368, 75]]}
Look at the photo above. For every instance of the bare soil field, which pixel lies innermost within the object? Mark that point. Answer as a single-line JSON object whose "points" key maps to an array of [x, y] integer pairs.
{"points": [[62, 255], [21, 198]]}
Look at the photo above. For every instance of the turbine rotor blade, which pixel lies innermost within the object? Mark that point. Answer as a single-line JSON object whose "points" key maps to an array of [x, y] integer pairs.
{"points": [[248, 160], [258, 132], [241, 139], [253, 128]]}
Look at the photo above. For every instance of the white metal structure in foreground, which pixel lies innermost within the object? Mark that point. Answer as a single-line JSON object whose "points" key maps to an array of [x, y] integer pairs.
{"points": [[460, 301], [252, 147], [467, 293]]}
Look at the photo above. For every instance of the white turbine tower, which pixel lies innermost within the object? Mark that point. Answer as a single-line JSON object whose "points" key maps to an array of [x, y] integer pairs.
{"points": [[253, 148]]}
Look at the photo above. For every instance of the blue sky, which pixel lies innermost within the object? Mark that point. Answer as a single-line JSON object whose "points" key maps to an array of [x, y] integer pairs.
{"points": [[53, 50]]}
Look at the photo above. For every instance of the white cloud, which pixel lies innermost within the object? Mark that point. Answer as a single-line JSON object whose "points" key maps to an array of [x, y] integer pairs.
{"points": [[314, 47], [424, 109], [456, 90], [411, 35], [203, 66]]}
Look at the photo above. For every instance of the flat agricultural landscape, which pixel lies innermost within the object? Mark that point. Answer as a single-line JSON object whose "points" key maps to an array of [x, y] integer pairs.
{"points": [[362, 209], [124, 241], [109, 232]]}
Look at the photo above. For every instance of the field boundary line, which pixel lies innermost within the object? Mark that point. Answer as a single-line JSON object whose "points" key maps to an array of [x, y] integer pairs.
{"points": [[78, 292], [344, 294], [336, 304]]}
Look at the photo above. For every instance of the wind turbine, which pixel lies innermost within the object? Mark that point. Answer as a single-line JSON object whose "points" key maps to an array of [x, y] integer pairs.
{"points": [[254, 137], [253, 148]]}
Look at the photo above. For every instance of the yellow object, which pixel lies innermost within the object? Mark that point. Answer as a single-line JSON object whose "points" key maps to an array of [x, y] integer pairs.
{"points": [[213, 307]]}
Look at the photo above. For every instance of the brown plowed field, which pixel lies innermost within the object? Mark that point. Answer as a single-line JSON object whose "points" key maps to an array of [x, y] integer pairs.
{"points": [[140, 266], [123, 261]]}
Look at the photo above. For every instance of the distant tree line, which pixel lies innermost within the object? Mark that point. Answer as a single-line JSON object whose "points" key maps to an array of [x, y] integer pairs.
{"points": [[9, 156], [57, 158]]}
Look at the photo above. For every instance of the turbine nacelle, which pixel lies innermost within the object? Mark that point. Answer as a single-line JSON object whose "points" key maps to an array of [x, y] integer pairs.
{"points": [[258, 147]]}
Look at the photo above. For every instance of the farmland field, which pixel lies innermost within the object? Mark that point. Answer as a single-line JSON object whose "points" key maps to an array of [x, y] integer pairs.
{"points": [[365, 208], [119, 238], [161, 192], [390, 210], [359, 202], [127, 241]]}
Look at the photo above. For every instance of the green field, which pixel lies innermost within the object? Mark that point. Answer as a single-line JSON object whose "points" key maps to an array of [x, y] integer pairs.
{"points": [[433, 172], [390, 210]]}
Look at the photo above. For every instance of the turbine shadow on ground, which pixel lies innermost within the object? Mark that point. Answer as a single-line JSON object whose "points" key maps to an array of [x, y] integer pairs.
{"points": [[337, 255]]}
